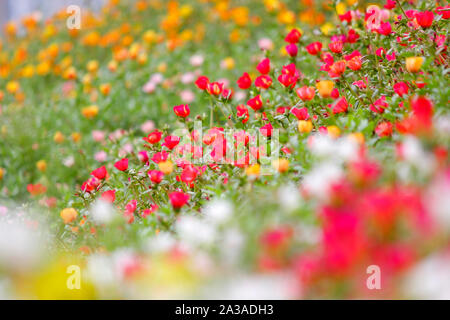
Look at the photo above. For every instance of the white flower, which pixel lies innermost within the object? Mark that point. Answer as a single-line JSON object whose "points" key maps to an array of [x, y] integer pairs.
{"points": [[319, 180], [430, 279], [218, 211], [195, 231], [102, 212], [162, 242], [437, 200], [289, 197]]}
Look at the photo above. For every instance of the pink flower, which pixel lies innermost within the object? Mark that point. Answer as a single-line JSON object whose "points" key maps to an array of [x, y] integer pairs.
{"points": [[101, 156], [98, 135]]}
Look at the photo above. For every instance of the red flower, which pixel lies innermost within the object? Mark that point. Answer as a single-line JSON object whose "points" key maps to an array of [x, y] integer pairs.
{"points": [[100, 173], [153, 137], [336, 46], [423, 111], [314, 48], [340, 106], [293, 36], [214, 88], [151, 210], [121, 165], [202, 82], [143, 156], [442, 12], [401, 88], [379, 105], [242, 112], [306, 93], [36, 189], [255, 103], [156, 176], [289, 75], [425, 19], [178, 199], [90, 185], [355, 63], [182, 110], [337, 69], [301, 114], [264, 66], [171, 141], [263, 81], [244, 82], [266, 130], [384, 129], [292, 49], [109, 196], [385, 29], [189, 174], [160, 156]]}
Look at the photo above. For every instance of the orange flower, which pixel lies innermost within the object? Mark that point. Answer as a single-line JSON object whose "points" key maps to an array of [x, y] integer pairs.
{"points": [[90, 112], [305, 126], [68, 215], [325, 87], [413, 64]]}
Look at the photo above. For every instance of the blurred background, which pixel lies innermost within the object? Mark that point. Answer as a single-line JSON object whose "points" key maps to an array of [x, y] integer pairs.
{"points": [[16, 9]]}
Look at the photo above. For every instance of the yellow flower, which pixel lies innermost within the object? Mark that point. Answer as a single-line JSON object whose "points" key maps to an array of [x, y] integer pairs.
{"points": [[12, 87], [327, 28], [305, 126], [166, 167], [253, 170], [41, 165], [112, 65], [325, 87], [76, 136], [286, 17], [68, 215], [341, 8], [228, 63], [58, 137], [281, 165], [92, 66], [334, 131], [70, 73], [90, 112], [413, 64]]}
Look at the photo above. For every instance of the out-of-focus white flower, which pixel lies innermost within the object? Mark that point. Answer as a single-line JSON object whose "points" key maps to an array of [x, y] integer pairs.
{"points": [[414, 154], [343, 149], [248, 287], [232, 243], [289, 197], [442, 124], [430, 279], [100, 270], [195, 231], [21, 247], [196, 60], [218, 211], [240, 95], [69, 161], [437, 200], [102, 212], [319, 180], [162, 242]]}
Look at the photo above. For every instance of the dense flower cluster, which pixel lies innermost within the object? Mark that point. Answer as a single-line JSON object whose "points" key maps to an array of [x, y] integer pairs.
{"points": [[288, 175]]}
